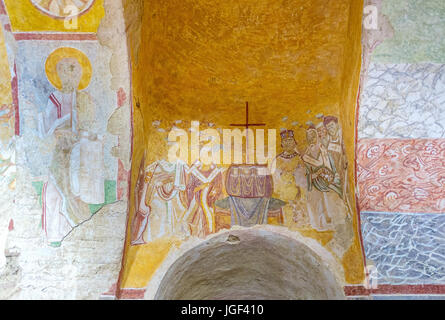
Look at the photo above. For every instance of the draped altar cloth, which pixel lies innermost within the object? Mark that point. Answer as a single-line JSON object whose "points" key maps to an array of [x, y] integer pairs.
{"points": [[250, 188]]}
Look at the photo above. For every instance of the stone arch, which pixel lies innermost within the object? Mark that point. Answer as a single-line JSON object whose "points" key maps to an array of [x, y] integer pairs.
{"points": [[263, 262]]}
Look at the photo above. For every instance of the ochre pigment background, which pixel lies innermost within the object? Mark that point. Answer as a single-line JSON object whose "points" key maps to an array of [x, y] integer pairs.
{"points": [[5, 74], [201, 60]]}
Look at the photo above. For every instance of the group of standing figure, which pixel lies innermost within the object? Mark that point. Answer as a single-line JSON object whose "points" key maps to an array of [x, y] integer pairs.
{"points": [[313, 181], [178, 199]]}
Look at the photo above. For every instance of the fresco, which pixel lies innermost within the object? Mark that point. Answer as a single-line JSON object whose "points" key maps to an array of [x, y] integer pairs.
{"points": [[403, 101], [401, 175], [65, 133], [63, 8], [63, 119], [32, 16], [307, 192], [405, 248], [199, 73], [400, 149], [7, 119], [418, 25], [8, 170]]}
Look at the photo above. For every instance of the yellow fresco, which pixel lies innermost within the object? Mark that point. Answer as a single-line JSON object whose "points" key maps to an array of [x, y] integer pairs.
{"points": [[202, 60], [144, 260], [5, 74], [353, 263], [213, 55], [25, 17], [62, 9], [7, 118]]}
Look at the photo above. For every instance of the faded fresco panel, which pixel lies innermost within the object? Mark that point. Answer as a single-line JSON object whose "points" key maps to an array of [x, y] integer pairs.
{"points": [[418, 26], [65, 103]]}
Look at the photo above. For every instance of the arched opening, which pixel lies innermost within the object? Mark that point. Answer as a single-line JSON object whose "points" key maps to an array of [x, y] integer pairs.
{"points": [[249, 264]]}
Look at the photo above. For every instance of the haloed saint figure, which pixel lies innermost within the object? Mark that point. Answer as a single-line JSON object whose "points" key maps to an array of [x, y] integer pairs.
{"points": [[76, 174]]}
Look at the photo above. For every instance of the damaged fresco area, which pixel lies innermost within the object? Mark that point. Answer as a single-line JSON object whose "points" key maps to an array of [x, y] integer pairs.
{"points": [[61, 9], [64, 140], [400, 148], [72, 127]]}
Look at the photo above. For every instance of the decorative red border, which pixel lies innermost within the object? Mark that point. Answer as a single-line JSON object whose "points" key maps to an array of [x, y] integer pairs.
{"points": [[395, 289], [131, 294], [19, 36], [409, 169], [15, 101], [357, 204]]}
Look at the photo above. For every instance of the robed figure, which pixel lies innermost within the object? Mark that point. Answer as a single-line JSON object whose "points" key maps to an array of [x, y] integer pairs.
{"points": [[159, 209], [204, 188], [320, 173], [76, 173], [289, 177]]}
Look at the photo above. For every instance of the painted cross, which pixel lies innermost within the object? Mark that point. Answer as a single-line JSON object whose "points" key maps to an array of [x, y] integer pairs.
{"points": [[247, 125]]}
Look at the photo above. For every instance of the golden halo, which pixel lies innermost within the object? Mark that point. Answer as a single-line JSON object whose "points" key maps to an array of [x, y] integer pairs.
{"points": [[67, 52]]}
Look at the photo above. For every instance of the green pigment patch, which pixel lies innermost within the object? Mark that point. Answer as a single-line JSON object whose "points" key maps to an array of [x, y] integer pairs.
{"points": [[110, 194], [419, 28]]}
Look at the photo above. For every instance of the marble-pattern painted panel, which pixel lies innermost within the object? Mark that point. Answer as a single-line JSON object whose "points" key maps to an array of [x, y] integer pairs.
{"points": [[397, 175], [403, 101], [405, 248]]}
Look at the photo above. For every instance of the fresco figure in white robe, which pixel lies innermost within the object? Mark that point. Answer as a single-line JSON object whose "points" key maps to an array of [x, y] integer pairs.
{"points": [[76, 173], [159, 210], [320, 174]]}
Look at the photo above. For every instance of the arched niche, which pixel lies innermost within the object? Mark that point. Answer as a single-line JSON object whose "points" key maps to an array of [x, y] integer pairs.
{"points": [[247, 264]]}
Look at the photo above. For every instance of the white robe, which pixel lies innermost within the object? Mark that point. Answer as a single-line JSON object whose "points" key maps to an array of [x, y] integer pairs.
{"points": [[85, 167]]}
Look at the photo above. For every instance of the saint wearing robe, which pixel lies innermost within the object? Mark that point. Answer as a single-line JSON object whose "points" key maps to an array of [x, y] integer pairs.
{"points": [[337, 150], [290, 181], [159, 210], [320, 172], [76, 177], [204, 188], [140, 219]]}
